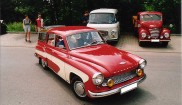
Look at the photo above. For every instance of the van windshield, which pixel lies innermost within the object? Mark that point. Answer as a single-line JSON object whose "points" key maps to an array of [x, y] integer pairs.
{"points": [[102, 18], [151, 17]]}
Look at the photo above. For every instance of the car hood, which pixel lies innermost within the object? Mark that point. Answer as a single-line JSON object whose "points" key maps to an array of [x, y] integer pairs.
{"points": [[152, 24], [113, 60]]}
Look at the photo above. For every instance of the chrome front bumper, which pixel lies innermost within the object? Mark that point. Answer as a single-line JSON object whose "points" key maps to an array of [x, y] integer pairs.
{"points": [[114, 91]]}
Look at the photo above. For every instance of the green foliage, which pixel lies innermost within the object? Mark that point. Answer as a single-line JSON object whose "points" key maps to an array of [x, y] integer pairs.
{"points": [[149, 7], [69, 12], [17, 27]]}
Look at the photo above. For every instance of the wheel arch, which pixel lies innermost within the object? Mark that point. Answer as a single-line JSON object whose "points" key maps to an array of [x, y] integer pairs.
{"points": [[72, 76]]}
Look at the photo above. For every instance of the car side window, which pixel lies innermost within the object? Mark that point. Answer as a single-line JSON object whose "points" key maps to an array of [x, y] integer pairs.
{"points": [[51, 40], [59, 42]]}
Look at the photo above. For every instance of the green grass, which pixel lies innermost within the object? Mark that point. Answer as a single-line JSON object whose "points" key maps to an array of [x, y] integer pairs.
{"points": [[17, 27]]}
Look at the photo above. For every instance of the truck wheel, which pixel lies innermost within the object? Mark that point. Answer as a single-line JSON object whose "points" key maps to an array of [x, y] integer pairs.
{"points": [[43, 63], [78, 88], [164, 44], [141, 44]]}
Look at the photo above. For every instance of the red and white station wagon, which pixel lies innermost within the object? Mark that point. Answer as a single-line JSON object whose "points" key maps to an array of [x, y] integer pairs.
{"points": [[80, 56]]}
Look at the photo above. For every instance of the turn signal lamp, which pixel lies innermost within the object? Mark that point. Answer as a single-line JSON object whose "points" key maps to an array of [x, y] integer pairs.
{"points": [[110, 83], [139, 72]]}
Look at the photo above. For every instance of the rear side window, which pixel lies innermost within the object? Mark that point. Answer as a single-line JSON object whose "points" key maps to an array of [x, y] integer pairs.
{"points": [[42, 37], [51, 40]]}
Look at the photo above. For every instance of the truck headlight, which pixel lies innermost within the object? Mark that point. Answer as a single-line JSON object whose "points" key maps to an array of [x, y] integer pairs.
{"points": [[144, 35], [142, 63], [166, 35], [139, 25], [97, 79]]}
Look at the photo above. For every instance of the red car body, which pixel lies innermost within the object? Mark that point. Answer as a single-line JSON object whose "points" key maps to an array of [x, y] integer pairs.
{"points": [[93, 70], [149, 27]]}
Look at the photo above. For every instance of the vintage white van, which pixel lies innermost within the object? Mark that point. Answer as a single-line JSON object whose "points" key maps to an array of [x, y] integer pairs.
{"points": [[105, 21]]}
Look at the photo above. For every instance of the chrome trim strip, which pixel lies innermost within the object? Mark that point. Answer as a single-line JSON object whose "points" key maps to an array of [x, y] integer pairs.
{"points": [[117, 90]]}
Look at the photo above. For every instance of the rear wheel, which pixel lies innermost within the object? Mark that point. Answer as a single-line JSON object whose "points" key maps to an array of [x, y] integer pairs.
{"points": [[78, 88], [43, 63]]}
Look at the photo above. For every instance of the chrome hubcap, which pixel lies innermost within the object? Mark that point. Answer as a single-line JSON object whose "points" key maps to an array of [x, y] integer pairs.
{"points": [[79, 89], [43, 63]]}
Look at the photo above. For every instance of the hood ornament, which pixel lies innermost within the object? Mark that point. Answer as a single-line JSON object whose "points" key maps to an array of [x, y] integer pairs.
{"points": [[122, 63]]}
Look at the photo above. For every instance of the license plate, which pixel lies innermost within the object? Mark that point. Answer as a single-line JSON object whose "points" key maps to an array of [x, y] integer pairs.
{"points": [[155, 40], [128, 88]]}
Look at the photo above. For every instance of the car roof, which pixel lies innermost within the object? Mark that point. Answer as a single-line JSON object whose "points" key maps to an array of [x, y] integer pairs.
{"points": [[68, 30], [104, 10], [150, 12]]}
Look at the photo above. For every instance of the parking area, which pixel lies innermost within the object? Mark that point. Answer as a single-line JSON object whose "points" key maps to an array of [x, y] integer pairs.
{"points": [[24, 82], [127, 42]]}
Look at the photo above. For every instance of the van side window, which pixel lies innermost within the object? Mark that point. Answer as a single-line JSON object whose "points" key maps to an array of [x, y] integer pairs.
{"points": [[51, 40], [42, 37]]}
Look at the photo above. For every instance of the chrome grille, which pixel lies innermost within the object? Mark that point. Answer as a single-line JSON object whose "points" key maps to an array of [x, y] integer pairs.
{"points": [[103, 33], [121, 78], [124, 77], [154, 32]]}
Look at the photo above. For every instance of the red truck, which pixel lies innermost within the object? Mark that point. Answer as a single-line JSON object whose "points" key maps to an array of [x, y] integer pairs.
{"points": [[149, 28]]}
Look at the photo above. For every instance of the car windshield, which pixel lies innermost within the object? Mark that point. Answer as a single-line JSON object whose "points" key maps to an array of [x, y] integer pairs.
{"points": [[102, 18], [84, 39], [151, 17]]}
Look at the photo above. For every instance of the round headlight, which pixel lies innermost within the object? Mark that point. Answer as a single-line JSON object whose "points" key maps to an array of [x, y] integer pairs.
{"points": [[97, 78], [166, 35], [142, 63], [113, 32], [144, 35]]}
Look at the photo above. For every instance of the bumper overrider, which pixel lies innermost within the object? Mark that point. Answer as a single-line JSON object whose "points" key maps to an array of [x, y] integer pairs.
{"points": [[155, 40], [114, 91]]}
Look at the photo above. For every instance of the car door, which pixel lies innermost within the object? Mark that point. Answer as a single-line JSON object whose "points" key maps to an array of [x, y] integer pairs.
{"points": [[60, 56], [50, 49]]}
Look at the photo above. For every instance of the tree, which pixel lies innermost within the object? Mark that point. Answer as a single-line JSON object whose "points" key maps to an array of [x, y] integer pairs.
{"points": [[69, 12]]}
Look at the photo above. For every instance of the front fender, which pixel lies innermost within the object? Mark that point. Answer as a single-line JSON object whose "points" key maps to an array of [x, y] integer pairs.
{"points": [[142, 30], [164, 30], [85, 70]]}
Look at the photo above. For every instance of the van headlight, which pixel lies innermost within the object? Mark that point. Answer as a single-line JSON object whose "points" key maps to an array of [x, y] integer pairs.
{"points": [[142, 63], [97, 79], [113, 32]]}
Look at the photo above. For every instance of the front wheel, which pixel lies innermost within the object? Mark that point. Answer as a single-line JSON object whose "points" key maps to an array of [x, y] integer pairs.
{"points": [[164, 44], [141, 44], [79, 88]]}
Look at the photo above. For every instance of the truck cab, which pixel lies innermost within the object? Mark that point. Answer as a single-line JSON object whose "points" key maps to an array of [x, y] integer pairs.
{"points": [[149, 28], [105, 21]]}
